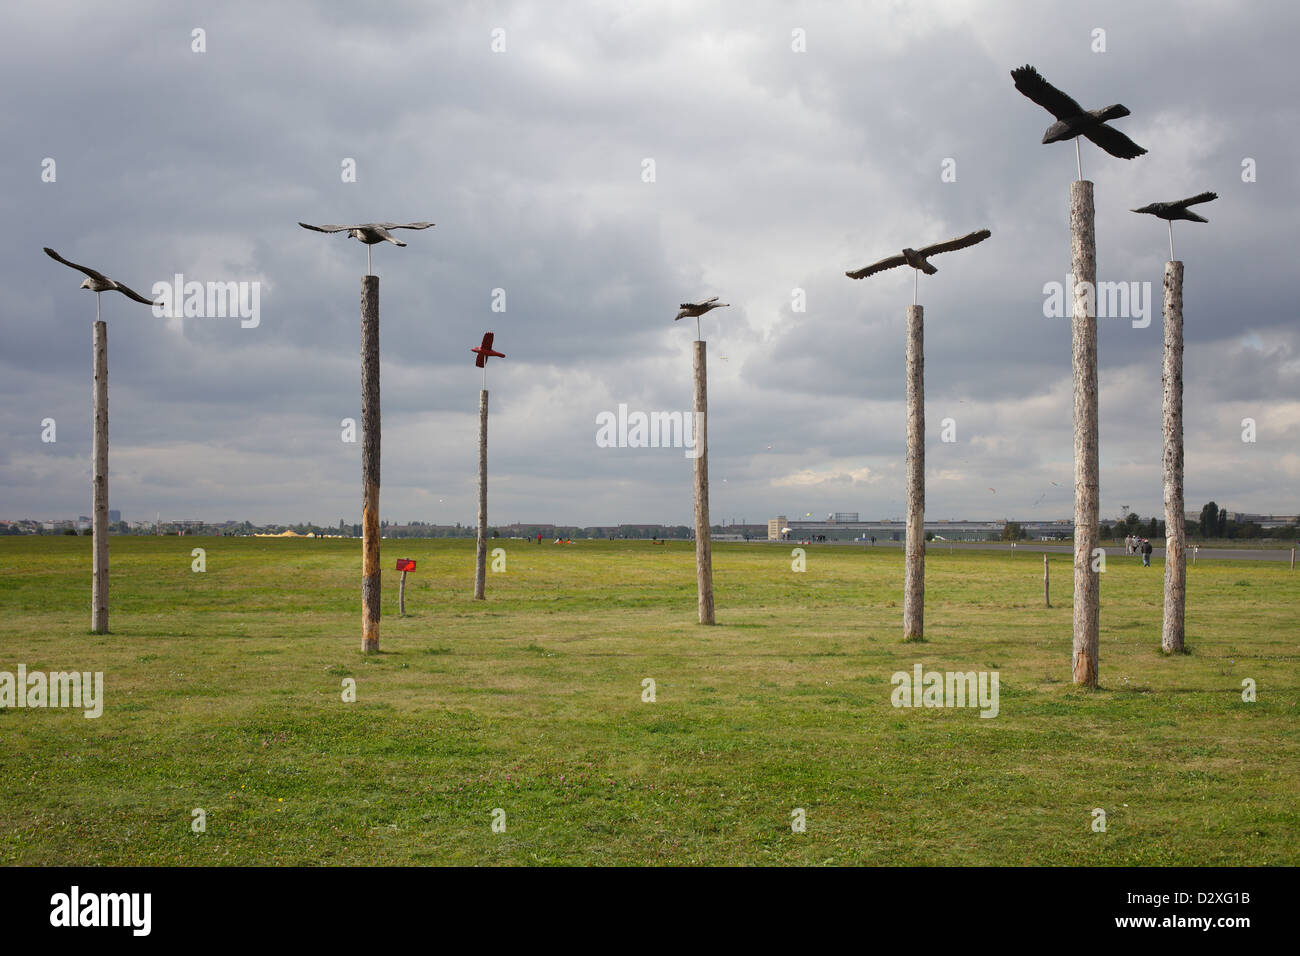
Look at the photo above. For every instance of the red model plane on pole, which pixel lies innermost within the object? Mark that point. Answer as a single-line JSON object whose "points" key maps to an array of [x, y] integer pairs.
{"points": [[485, 350]]}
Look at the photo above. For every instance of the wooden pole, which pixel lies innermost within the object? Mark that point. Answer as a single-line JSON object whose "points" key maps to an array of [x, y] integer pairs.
{"points": [[1172, 636], [1087, 582], [370, 425], [1293, 559], [703, 552], [480, 554], [914, 575], [1047, 593], [401, 596], [99, 487]]}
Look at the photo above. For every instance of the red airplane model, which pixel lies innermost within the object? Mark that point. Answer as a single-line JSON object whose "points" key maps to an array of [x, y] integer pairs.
{"points": [[485, 350]]}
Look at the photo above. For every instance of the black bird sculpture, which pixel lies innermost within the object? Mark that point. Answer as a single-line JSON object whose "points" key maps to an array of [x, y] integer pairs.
{"points": [[918, 258], [1073, 121], [1169, 211]]}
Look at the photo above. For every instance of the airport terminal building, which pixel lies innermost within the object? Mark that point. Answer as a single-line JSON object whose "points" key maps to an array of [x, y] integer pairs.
{"points": [[847, 526]]}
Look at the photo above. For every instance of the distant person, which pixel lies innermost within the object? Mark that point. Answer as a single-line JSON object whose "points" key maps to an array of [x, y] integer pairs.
{"points": [[1146, 553]]}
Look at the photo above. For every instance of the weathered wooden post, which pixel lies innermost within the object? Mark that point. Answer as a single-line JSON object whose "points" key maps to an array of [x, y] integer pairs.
{"points": [[1087, 582], [401, 596], [369, 234], [914, 545], [1072, 121], [700, 429], [370, 440], [1172, 635], [99, 490], [483, 352], [1047, 592], [99, 283], [480, 553], [914, 574], [703, 549]]}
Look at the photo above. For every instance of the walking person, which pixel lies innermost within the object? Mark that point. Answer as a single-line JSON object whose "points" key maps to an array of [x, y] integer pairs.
{"points": [[1146, 553]]}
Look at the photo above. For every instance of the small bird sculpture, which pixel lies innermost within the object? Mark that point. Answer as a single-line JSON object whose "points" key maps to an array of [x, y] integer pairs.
{"points": [[98, 282], [371, 232], [918, 259], [1169, 211], [697, 309]]}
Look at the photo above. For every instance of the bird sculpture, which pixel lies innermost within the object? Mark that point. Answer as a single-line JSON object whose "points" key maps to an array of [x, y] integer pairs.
{"points": [[1169, 211], [484, 351], [697, 309], [1073, 121], [371, 232], [918, 259], [98, 282]]}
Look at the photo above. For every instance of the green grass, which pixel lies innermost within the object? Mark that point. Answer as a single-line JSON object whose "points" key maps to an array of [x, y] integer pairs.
{"points": [[223, 691]]}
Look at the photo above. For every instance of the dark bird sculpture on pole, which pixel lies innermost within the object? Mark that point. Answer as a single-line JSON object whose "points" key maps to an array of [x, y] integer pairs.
{"points": [[98, 282], [697, 309], [371, 233], [1073, 121], [918, 259], [1169, 211]]}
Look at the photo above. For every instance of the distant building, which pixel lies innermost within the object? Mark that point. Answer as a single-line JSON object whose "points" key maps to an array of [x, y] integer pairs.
{"points": [[896, 530], [1264, 521], [114, 516]]}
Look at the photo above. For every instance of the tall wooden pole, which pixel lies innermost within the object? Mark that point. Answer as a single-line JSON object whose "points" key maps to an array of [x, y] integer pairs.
{"points": [[1047, 591], [1087, 582], [99, 492], [370, 422], [703, 551], [480, 555], [1171, 639], [914, 576]]}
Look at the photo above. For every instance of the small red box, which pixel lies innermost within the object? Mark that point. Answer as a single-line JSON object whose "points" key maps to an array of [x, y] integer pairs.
{"points": [[405, 564]]}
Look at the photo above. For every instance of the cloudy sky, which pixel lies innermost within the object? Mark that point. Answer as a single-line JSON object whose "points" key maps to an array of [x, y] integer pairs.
{"points": [[775, 169]]}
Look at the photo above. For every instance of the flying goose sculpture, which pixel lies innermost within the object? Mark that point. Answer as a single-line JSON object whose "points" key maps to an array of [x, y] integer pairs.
{"points": [[98, 282], [1169, 211], [1073, 121], [371, 232], [918, 259], [697, 309]]}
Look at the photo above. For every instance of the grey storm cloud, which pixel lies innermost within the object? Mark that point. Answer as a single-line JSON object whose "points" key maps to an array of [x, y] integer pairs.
{"points": [[775, 171]]}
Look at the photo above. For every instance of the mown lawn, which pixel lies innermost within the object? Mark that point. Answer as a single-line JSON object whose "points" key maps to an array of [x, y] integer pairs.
{"points": [[224, 692]]}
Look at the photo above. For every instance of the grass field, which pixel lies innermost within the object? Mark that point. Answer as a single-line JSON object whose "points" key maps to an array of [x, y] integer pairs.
{"points": [[223, 692]]}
